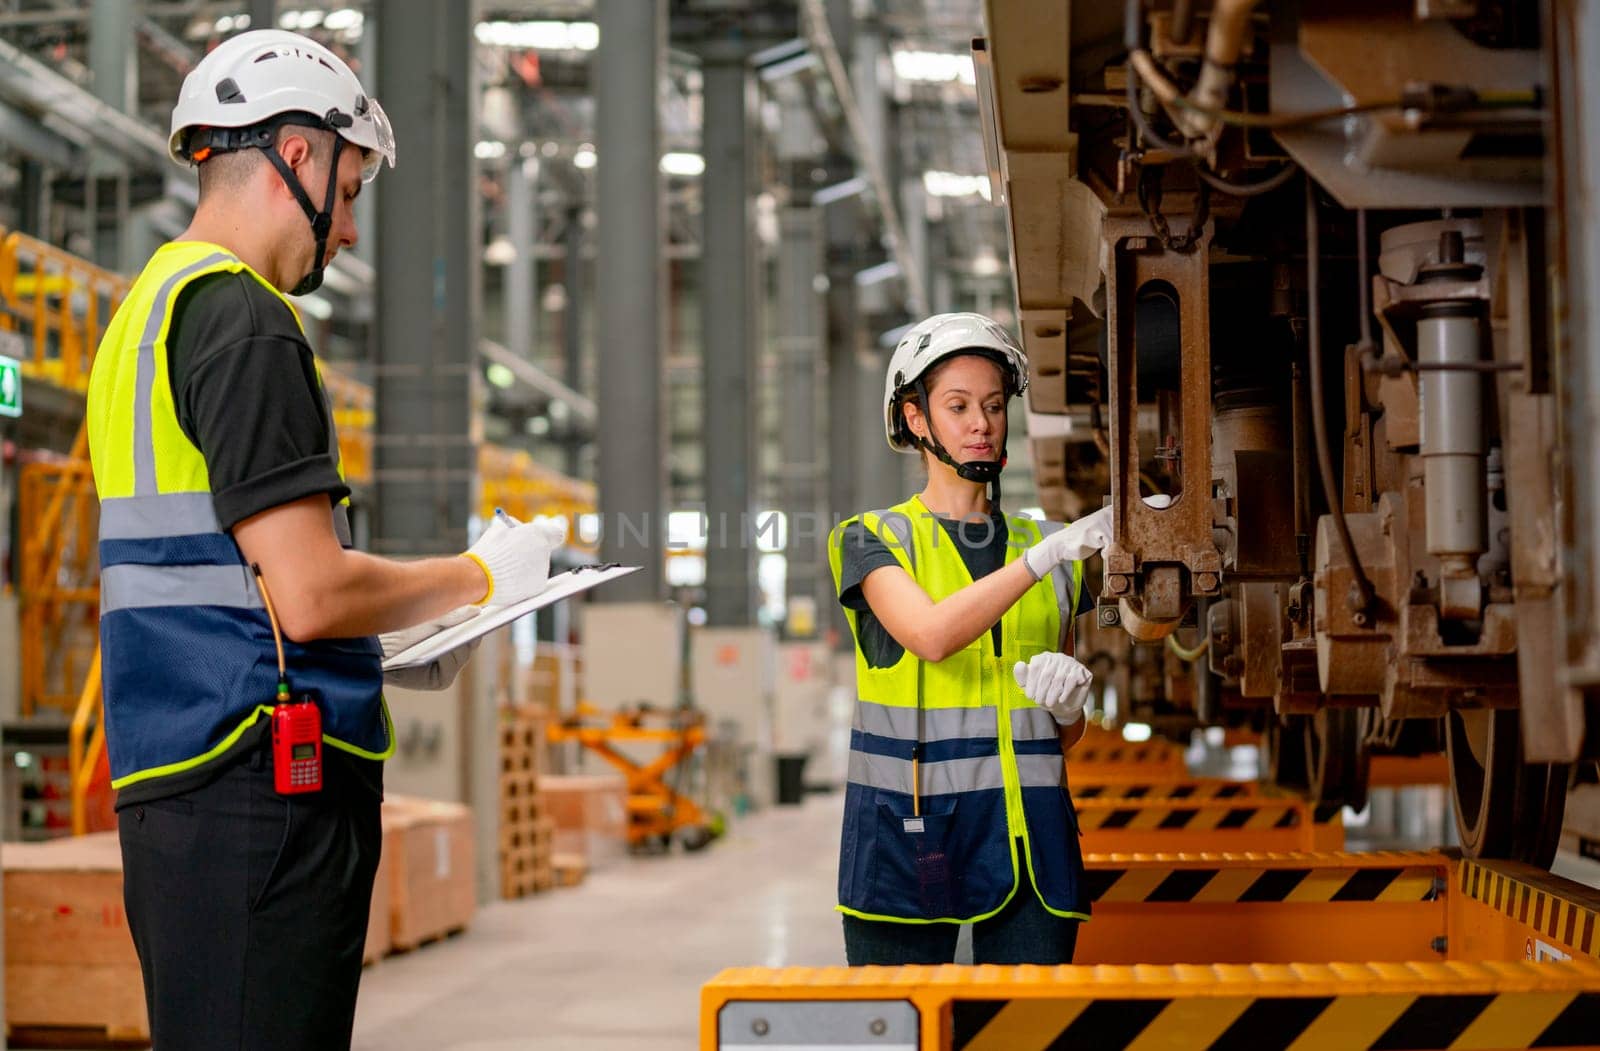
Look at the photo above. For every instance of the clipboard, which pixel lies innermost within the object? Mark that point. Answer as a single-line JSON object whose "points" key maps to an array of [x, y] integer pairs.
{"points": [[560, 586]]}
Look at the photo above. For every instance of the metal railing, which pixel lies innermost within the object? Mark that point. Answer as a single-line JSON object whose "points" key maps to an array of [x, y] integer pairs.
{"points": [[60, 304]]}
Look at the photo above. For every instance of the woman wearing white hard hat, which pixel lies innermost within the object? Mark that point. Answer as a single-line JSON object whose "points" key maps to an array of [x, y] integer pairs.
{"points": [[956, 808]]}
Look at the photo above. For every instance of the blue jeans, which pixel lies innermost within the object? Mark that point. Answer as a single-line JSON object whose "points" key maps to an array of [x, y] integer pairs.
{"points": [[1022, 932]]}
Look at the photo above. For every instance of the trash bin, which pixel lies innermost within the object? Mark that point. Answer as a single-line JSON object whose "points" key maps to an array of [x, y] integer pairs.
{"points": [[791, 779]]}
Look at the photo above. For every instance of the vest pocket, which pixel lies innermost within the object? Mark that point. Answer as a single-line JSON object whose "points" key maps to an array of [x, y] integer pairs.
{"points": [[914, 877]]}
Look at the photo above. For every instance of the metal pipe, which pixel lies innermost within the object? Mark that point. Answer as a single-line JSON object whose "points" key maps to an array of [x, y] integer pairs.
{"points": [[821, 36], [1225, 39], [1452, 444], [1362, 595], [1182, 27]]}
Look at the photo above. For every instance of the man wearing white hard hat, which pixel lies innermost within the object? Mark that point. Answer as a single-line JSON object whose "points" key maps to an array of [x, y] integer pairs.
{"points": [[242, 666]]}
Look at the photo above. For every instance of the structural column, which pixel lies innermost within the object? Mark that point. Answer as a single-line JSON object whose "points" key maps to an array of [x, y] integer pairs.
{"points": [[842, 220], [428, 303], [728, 298], [801, 353], [882, 471], [112, 56], [428, 295], [629, 279]]}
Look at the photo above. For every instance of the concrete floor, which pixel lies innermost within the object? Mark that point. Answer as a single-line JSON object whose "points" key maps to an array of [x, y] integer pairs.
{"points": [[616, 963]]}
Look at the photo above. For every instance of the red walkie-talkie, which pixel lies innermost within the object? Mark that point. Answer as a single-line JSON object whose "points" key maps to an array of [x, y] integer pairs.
{"points": [[297, 745], [296, 724]]}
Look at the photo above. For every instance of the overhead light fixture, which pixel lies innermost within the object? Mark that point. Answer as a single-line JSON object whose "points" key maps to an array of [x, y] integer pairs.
{"points": [[933, 67], [585, 158], [316, 306], [684, 164], [500, 376], [783, 60], [500, 252], [540, 36], [344, 18], [839, 191], [873, 275], [949, 184], [310, 18], [489, 150], [986, 263], [891, 338]]}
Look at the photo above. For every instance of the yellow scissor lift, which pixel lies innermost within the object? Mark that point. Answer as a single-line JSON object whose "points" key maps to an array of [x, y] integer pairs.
{"points": [[1225, 916]]}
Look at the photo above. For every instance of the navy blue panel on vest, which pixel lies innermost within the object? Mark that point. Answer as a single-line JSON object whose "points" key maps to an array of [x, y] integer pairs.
{"points": [[187, 675], [946, 863], [932, 751], [200, 549], [1053, 842]]}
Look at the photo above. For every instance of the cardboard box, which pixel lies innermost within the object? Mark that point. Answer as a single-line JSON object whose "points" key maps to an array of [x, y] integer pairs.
{"points": [[432, 874], [70, 960], [590, 812], [379, 940]]}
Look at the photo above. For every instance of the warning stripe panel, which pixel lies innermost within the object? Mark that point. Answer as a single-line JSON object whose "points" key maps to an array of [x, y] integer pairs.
{"points": [[1349, 1022], [1165, 790], [1246, 883], [1562, 911], [1196, 815]]}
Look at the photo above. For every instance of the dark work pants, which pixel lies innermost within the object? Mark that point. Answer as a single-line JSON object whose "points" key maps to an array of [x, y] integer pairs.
{"points": [[1022, 932], [249, 909]]}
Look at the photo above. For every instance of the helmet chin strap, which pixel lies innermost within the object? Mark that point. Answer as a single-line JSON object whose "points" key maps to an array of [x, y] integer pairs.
{"points": [[321, 222], [984, 471]]}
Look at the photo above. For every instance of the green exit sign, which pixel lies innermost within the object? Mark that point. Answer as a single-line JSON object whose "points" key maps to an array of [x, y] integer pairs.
{"points": [[10, 387]]}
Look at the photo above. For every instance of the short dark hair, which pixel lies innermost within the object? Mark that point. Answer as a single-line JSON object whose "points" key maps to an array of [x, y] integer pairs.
{"points": [[228, 172]]}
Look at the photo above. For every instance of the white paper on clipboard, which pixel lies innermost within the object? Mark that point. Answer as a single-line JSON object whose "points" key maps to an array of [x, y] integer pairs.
{"points": [[560, 586]]}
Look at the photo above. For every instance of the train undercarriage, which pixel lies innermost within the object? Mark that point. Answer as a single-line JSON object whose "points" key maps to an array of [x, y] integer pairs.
{"points": [[1318, 272]]}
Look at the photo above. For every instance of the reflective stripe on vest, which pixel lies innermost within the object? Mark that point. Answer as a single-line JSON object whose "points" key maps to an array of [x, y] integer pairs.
{"points": [[989, 763], [188, 658]]}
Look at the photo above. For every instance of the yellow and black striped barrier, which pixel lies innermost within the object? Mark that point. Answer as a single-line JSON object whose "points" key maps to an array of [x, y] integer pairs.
{"points": [[1272, 825], [1105, 758], [1509, 910], [1265, 908], [1212, 788], [1304, 1007]]}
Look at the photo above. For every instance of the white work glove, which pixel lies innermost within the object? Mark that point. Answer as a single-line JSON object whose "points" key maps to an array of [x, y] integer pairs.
{"points": [[442, 671], [1057, 683], [1076, 542], [1071, 543], [516, 558]]}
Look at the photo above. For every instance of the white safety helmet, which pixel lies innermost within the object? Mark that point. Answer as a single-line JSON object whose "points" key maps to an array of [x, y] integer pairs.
{"points": [[256, 77], [931, 341]]}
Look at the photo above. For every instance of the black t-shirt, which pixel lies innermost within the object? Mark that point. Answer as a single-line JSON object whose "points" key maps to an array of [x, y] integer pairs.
{"points": [[244, 383], [981, 543]]}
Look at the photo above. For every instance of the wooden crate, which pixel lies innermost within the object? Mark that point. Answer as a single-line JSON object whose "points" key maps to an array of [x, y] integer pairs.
{"points": [[590, 812], [570, 869], [432, 877], [70, 962], [379, 938]]}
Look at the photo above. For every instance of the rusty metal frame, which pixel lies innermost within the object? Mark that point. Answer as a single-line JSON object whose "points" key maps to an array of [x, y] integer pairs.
{"points": [[1150, 546]]}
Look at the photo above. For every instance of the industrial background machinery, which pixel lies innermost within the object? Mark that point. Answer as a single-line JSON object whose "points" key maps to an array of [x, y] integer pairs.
{"points": [[1319, 272]]}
